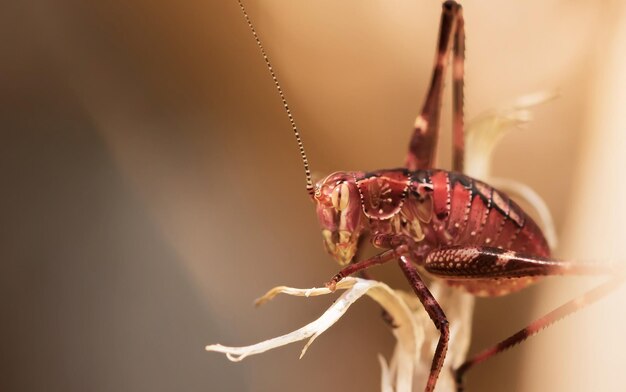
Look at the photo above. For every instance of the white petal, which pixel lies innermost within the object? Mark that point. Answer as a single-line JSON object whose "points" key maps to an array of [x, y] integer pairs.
{"points": [[355, 288]]}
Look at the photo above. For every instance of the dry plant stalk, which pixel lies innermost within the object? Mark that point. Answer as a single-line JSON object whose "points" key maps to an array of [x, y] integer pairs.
{"points": [[416, 338]]}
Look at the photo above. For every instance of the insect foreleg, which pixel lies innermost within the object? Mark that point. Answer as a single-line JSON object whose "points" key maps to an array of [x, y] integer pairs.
{"points": [[423, 143], [365, 274], [352, 268]]}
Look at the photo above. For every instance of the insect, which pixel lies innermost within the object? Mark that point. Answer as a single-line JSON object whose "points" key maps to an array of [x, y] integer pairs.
{"points": [[437, 222]]}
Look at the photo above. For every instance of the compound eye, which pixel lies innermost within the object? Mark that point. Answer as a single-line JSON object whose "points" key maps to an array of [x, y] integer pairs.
{"points": [[340, 196], [317, 193]]}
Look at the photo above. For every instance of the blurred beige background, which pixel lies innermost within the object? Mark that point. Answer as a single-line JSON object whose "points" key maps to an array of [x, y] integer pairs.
{"points": [[152, 187]]}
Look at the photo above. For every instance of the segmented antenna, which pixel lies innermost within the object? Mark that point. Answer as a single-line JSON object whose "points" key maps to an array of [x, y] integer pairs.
{"points": [[305, 161]]}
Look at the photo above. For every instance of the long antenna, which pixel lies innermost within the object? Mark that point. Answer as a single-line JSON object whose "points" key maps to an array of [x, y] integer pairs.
{"points": [[305, 161]]}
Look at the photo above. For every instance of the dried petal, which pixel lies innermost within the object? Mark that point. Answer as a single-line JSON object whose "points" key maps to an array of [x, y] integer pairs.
{"points": [[407, 330], [484, 132]]}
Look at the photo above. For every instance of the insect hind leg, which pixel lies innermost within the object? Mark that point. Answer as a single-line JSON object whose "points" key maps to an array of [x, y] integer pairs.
{"points": [[466, 264], [458, 85], [533, 328], [423, 143]]}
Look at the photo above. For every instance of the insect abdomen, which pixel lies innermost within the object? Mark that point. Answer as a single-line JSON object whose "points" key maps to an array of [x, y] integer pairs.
{"points": [[468, 212], [472, 213]]}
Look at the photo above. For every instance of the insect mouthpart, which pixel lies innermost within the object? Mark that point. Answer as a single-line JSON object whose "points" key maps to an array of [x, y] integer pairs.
{"points": [[341, 245]]}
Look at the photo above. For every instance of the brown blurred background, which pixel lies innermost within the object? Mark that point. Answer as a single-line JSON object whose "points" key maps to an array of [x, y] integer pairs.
{"points": [[151, 186]]}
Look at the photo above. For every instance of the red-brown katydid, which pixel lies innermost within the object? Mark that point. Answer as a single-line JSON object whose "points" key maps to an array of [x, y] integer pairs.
{"points": [[442, 223]]}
